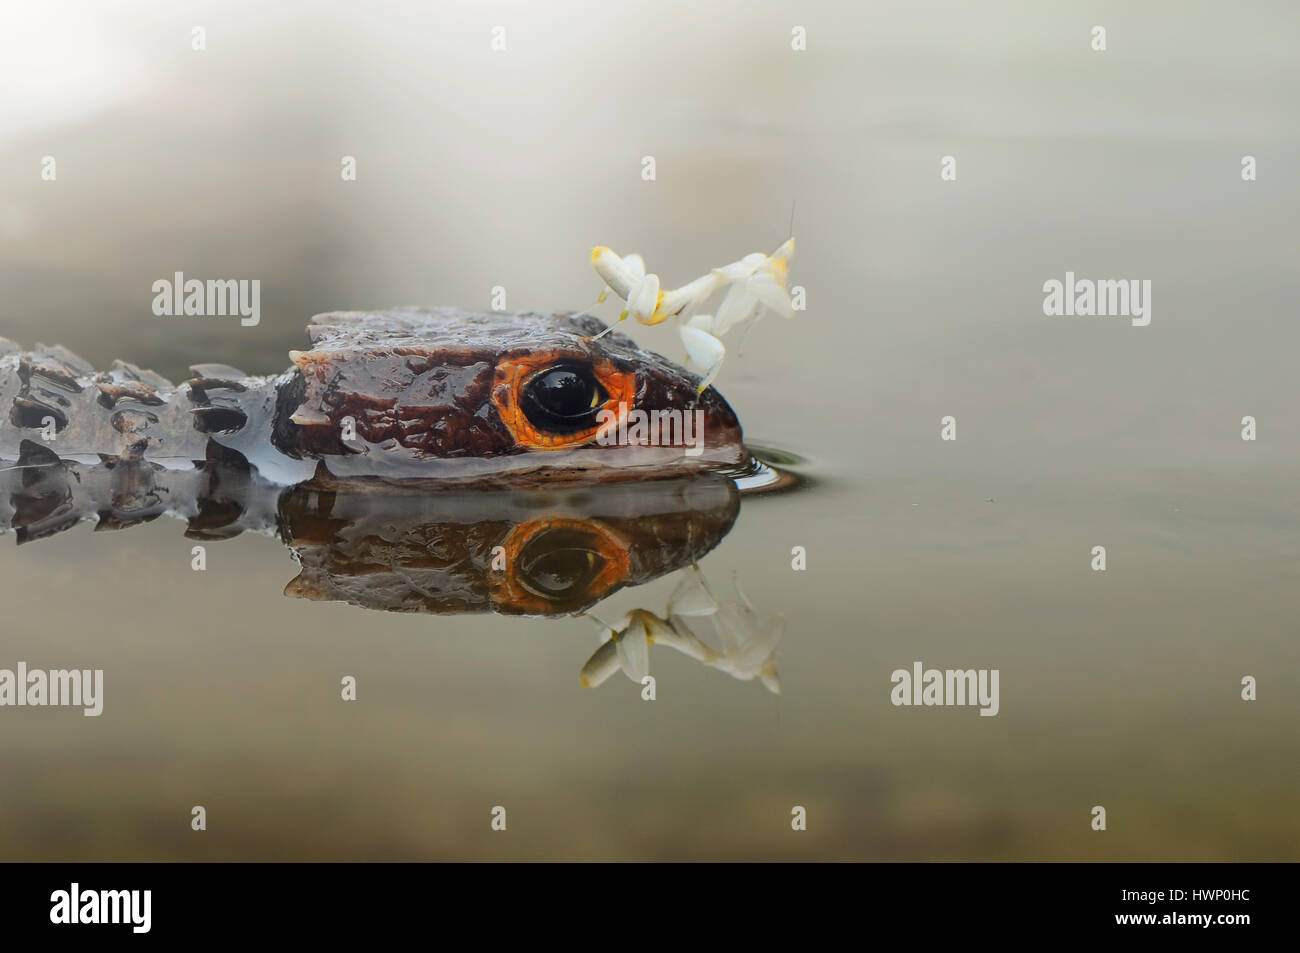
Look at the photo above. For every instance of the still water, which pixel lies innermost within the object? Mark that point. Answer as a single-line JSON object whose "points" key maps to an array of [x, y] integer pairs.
{"points": [[479, 169]]}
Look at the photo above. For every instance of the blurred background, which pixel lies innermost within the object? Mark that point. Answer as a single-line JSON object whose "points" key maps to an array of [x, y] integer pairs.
{"points": [[478, 168]]}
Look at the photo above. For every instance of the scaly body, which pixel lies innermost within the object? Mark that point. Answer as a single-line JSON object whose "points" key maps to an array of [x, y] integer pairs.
{"points": [[430, 394]]}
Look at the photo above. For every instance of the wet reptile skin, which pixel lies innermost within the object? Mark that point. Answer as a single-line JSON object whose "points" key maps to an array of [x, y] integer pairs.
{"points": [[429, 394]]}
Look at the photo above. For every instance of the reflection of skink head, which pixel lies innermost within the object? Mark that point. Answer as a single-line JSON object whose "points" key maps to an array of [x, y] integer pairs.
{"points": [[399, 547]]}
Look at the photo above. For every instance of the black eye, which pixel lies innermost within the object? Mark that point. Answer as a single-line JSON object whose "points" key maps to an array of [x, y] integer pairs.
{"points": [[560, 564], [562, 399]]}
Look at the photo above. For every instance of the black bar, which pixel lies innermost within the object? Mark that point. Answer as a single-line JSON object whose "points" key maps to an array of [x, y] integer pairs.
{"points": [[330, 901]]}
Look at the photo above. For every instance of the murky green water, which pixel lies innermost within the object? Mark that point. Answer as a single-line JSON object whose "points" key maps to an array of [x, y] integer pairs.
{"points": [[478, 169]]}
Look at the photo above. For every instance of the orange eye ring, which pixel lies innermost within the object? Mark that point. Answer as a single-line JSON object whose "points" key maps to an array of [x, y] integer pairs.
{"points": [[510, 590], [513, 374]]}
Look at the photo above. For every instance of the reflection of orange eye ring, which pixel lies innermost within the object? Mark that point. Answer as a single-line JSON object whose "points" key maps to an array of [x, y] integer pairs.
{"points": [[542, 575], [514, 374]]}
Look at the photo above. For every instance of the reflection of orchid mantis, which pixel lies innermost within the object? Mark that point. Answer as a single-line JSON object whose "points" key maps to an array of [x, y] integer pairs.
{"points": [[746, 645], [755, 282]]}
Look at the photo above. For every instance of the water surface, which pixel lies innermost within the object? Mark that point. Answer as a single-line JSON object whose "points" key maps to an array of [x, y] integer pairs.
{"points": [[479, 169]]}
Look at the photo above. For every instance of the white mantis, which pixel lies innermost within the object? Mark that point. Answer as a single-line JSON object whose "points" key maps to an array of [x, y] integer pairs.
{"points": [[753, 283], [746, 643]]}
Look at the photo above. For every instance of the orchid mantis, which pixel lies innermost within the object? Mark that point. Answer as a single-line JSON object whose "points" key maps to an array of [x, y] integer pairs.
{"points": [[753, 284], [746, 646]]}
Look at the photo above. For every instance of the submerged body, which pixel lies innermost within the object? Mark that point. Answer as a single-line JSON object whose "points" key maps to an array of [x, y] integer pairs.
{"points": [[432, 394]]}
